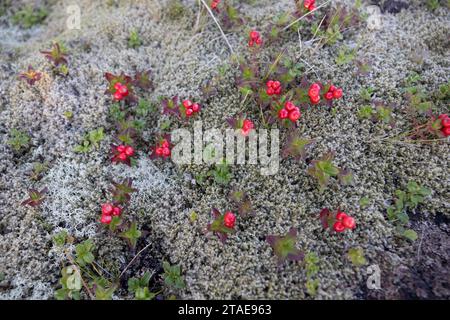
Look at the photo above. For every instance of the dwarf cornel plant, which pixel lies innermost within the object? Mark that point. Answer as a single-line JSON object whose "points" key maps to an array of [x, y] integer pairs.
{"points": [[133, 40], [19, 140], [132, 234], [28, 16], [323, 169], [221, 225], [71, 283], [404, 201], [356, 257], [172, 276], [84, 253], [35, 197], [90, 141], [312, 268], [139, 287], [284, 246], [121, 192]]}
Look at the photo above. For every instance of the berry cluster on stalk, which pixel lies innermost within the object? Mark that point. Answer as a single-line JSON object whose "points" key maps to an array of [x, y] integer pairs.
{"points": [[254, 39]]}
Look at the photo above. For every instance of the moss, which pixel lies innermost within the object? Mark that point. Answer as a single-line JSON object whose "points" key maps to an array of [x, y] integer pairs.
{"points": [[28, 17], [175, 9]]}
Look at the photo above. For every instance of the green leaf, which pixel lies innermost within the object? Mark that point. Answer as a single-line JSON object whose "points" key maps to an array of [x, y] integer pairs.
{"points": [[102, 293], [356, 256], [59, 239], [172, 276], [73, 282], [312, 285], [83, 252], [132, 234], [410, 234], [364, 202], [328, 168], [61, 294]]}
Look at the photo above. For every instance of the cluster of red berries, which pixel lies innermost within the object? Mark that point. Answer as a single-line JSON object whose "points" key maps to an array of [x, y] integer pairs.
{"points": [[190, 108], [310, 4], [122, 153], [333, 93], [273, 88], [163, 149], [255, 38], [214, 4], [108, 212], [289, 111], [121, 91], [343, 221], [445, 124], [229, 219], [314, 93], [247, 125]]}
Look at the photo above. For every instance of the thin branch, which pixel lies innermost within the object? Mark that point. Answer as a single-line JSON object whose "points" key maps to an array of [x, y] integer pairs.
{"points": [[132, 260], [218, 25], [86, 287], [306, 14]]}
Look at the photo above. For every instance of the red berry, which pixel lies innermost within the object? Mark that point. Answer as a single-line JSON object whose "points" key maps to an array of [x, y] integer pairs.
{"points": [[276, 84], [270, 91], [314, 90], [332, 88], [118, 95], [283, 114], [294, 115], [229, 220], [445, 122], [269, 83], [214, 4], [289, 106], [307, 3], [107, 209], [315, 86], [349, 222], [159, 151], [311, 7], [189, 112], [247, 125], [446, 131], [106, 219], [315, 99], [340, 215], [337, 94], [258, 41], [116, 211], [118, 85], [195, 107], [165, 144], [123, 90], [254, 35], [121, 148], [442, 116], [329, 95], [338, 226], [187, 103], [166, 152], [129, 151], [123, 156]]}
